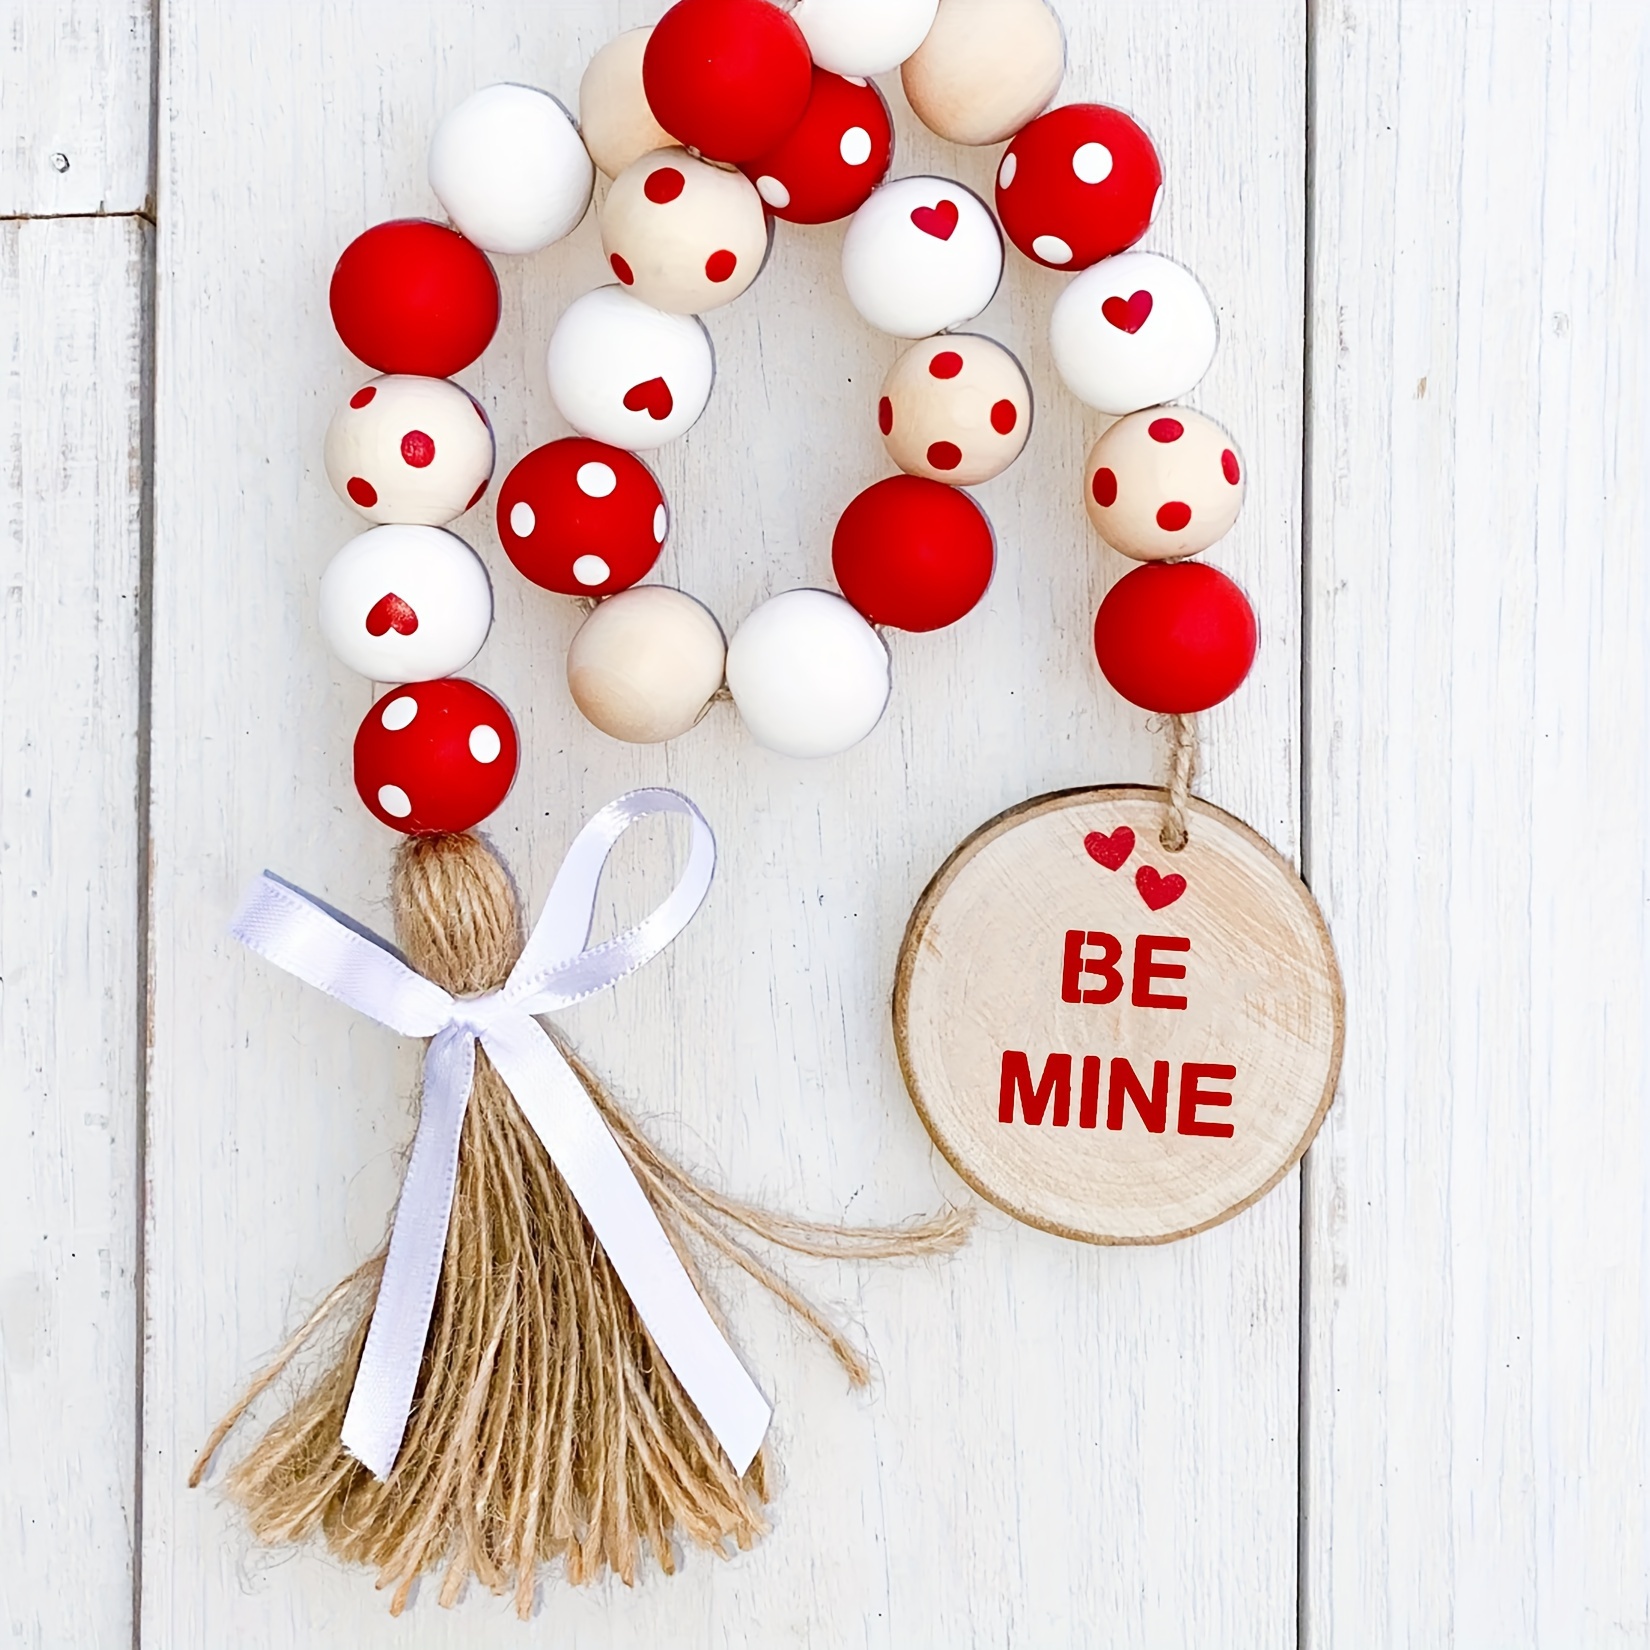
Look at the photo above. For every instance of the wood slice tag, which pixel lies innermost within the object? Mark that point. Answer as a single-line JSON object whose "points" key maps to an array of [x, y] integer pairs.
{"points": [[1110, 1041]]}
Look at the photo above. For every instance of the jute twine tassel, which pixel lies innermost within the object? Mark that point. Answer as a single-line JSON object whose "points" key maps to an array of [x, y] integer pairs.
{"points": [[1182, 731], [545, 1425]]}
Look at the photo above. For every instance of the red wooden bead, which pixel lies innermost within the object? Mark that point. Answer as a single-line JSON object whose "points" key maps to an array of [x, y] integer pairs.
{"points": [[582, 518], [435, 756], [1175, 637], [1077, 185], [913, 553], [831, 160], [726, 77], [416, 297]]}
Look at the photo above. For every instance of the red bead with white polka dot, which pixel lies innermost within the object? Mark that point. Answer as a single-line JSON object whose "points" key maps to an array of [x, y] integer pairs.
{"points": [[435, 756], [1079, 184], [826, 166], [582, 518]]}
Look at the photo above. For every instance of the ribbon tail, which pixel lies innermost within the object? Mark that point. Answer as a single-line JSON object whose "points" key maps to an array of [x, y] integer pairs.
{"points": [[381, 1399], [563, 1115]]}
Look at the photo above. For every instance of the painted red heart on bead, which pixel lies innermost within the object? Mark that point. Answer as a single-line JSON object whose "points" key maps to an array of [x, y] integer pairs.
{"points": [[1112, 850], [1128, 314], [391, 613], [937, 221], [652, 397], [1157, 890]]}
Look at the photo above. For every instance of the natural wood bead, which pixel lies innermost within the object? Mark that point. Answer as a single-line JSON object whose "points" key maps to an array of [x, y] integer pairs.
{"points": [[955, 408], [614, 118], [985, 69]]}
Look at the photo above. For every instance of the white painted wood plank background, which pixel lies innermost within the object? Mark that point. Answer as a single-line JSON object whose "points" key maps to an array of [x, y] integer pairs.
{"points": [[73, 385], [1065, 1445], [1478, 1336]]}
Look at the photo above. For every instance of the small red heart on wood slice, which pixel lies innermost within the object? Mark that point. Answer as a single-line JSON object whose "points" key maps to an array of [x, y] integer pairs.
{"points": [[1156, 890], [937, 221], [391, 613], [652, 397], [1112, 850], [1128, 314]]}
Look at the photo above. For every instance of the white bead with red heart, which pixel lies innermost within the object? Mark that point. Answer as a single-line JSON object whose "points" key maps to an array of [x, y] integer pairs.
{"points": [[681, 234], [614, 118], [405, 603], [1132, 331], [808, 674], [863, 37], [985, 68], [645, 663], [921, 255], [955, 409], [510, 169], [409, 449], [626, 373], [1163, 483]]}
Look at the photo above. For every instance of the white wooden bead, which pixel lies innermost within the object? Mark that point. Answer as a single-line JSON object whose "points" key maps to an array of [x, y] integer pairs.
{"points": [[623, 372], [808, 674], [986, 68], [956, 409], [510, 169], [614, 117], [922, 254], [404, 604], [645, 664], [681, 234], [1132, 331], [863, 37], [410, 449]]}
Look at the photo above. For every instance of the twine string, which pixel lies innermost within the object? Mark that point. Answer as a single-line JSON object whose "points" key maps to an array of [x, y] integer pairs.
{"points": [[1183, 753]]}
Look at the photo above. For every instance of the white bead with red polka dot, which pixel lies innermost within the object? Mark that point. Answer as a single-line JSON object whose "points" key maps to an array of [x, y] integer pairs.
{"points": [[405, 603], [985, 68], [956, 409], [645, 664], [510, 168], [863, 37], [1131, 332], [626, 373], [922, 254], [614, 118], [1163, 483], [808, 674], [408, 449], [681, 234]]}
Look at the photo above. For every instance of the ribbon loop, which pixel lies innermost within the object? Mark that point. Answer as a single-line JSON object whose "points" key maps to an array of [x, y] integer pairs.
{"points": [[558, 967]]}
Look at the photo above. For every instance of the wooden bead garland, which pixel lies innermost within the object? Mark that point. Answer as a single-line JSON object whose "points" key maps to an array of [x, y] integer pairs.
{"points": [[668, 113]]}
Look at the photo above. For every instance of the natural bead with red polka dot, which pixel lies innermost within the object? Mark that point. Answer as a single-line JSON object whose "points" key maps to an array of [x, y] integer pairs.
{"points": [[645, 664], [614, 118], [626, 373], [435, 756], [582, 518], [401, 604], [921, 255], [410, 449], [955, 408], [681, 234], [1131, 332], [829, 162], [985, 68], [1079, 184], [1163, 483]]}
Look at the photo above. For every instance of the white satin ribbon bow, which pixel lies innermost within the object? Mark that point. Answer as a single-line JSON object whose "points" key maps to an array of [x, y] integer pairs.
{"points": [[556, 969]]}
